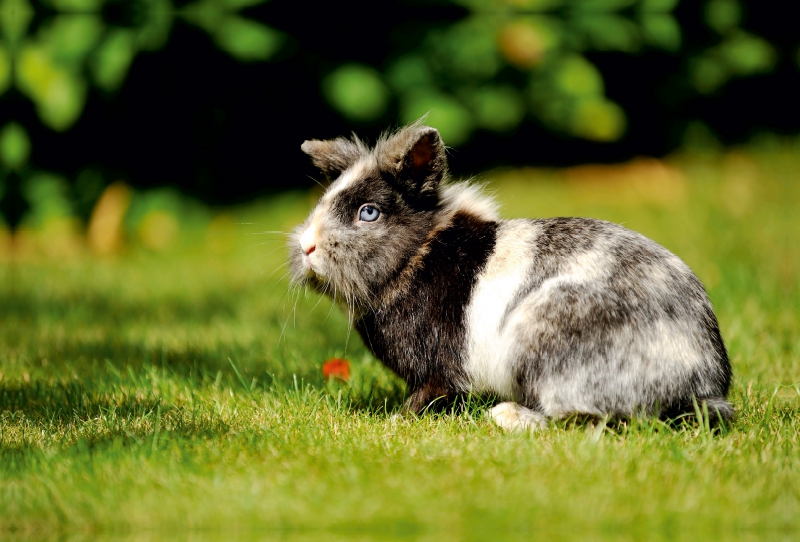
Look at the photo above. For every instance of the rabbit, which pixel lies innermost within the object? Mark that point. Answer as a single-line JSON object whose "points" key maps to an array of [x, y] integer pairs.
{"points": [[554, 317]]}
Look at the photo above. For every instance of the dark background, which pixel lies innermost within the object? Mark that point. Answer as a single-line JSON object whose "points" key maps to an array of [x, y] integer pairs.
{"points": [[195, 117]]}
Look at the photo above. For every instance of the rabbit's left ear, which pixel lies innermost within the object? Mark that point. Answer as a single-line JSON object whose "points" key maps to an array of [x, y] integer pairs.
{"points": [[415, 158], [333, 156]]}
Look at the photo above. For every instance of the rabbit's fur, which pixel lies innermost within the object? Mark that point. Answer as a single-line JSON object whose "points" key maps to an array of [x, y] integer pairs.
{"points": [[560, 315]]}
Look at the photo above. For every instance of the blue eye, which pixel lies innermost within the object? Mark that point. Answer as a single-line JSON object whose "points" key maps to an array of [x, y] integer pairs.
{"points": [[368, 213]]}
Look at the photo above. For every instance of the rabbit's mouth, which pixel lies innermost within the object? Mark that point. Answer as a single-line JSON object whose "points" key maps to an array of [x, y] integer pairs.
{"points": [[313, 263], [308, 266]]}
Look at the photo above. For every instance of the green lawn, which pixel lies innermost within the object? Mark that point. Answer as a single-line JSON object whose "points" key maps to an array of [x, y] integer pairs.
{"points": [[179, 395]]}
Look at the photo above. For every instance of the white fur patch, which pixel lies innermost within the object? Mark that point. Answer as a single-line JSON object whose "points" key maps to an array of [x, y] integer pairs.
{"points": [[589, 266], [346, 179], [470, 199], [586, 267], [670, 342], [492, 350], [312, 234]]}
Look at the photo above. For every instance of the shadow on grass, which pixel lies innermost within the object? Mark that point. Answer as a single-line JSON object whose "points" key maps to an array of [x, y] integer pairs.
{"points": [[60, 402], [185, 334], [85, 307], [105, 392]]}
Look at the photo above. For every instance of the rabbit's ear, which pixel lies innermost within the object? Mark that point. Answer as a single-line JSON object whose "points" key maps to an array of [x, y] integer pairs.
{"points": [[415, 158], [335, 155]]}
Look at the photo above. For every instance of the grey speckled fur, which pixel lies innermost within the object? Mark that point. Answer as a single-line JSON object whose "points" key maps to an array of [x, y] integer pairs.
{"points": [[560, 316]]}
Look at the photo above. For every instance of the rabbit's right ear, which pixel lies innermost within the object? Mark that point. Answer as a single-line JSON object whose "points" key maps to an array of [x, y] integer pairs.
{"points": [[415, 157], [333, 156]]}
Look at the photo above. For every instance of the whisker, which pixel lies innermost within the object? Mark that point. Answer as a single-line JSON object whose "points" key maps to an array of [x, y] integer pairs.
{"points": [[292, 315], [316, 181], [281, 302], [333, 302], [350, 317], [277, 282], [317, 303], [278, 268]]}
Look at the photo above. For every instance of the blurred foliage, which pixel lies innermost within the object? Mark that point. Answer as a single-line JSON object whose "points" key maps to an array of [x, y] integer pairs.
{"points": [[84, 43], [500, 65], [15, 147], [506, 59], [357, 91], [738, 53], [244, 39], [48, 196], [93, 42], [510, 58]]}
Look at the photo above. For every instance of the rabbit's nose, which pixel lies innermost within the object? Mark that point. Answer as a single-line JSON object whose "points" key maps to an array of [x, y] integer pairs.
{"points": [[308, 241]]}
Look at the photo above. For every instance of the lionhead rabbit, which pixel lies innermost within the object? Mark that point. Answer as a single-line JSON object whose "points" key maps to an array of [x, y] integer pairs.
{"points": [[556, 316]]}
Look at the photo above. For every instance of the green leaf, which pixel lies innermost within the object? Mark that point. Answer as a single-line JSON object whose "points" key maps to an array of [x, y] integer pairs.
{"points": [[602, 6], [497, 108], [408, 72], [598, 119], [482, 6], [248, 40], [444, 113], [59, 94], [356, 91], [658, 6], [609, 32], [468, 49], [526, 41], [155, 32], [536, 5], [112, 60], [62, 102], [553, 110], [207, 14], [48, 197], [576, 76], [723, 15], [15, 16], [746, 54], [707, 74], [76, 5], [71, 37], [663, 31], [15, 146]]}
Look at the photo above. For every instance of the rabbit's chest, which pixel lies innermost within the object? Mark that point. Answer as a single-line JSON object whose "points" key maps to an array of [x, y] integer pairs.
{"points": [[422, 331]]}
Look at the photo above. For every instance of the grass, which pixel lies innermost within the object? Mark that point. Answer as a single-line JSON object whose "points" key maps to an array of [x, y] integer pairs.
{"points": [[179, 395]]}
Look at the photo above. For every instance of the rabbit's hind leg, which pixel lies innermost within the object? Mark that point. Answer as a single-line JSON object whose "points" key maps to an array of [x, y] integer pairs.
{"points": [[514, 417]]}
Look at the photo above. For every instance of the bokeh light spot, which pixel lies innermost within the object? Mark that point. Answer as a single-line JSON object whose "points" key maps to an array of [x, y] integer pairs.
{"points": [[357, 91]]}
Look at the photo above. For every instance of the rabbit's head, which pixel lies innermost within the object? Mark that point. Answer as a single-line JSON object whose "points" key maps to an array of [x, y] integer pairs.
{"points": [[379, 208]]}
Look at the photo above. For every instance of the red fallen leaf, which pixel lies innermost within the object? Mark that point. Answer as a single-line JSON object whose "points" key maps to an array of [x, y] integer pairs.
{"points": [[336, 368]]}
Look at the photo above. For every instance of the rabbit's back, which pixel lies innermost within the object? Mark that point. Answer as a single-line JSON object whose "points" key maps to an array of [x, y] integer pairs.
{"points": [[581, 315]]}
